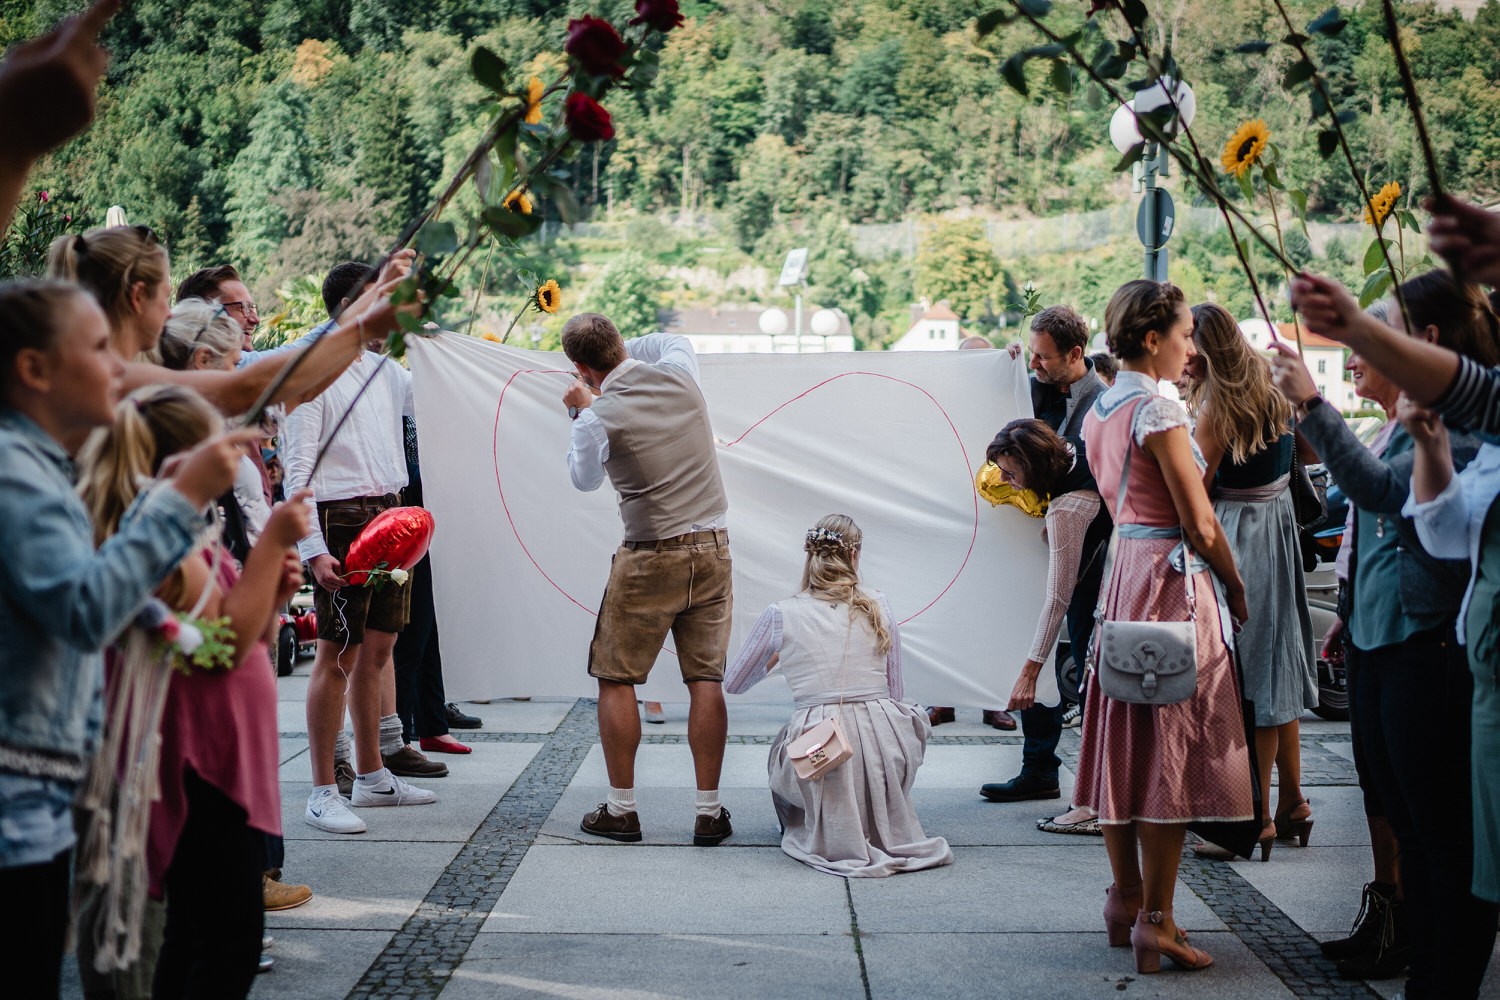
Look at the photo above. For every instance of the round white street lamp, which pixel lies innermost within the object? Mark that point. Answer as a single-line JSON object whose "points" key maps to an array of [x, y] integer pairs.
{"points": [[1157, 215], [773, 322], [825, 323]]}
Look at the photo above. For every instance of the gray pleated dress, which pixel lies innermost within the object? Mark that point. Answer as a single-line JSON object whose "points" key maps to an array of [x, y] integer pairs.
{"points": [[858, 820]]}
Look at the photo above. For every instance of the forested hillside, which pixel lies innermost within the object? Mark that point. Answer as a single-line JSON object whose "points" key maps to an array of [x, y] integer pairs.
{"points": [[282, 134]]}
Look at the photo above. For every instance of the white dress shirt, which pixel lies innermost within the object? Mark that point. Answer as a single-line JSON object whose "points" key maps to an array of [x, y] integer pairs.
{"points": [[1451, 524], [367, 459], [588, 447]]}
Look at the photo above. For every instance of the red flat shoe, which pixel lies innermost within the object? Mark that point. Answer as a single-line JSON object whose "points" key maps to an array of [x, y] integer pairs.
{"points": [[433, 744]]}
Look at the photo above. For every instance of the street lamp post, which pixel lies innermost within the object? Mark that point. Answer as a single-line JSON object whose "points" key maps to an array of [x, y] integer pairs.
{"points": [[1156, 216]]}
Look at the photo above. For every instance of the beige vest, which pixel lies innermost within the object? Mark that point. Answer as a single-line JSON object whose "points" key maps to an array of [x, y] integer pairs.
{"points": [[662, 457]]}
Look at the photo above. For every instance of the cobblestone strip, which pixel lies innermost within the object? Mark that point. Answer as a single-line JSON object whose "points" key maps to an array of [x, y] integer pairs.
{"points": [[466, 736], [419, 959], [1273, 937], [678, 739]]}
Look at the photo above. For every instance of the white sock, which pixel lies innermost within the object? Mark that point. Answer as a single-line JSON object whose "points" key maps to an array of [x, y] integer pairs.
{"points": [[621, 801], [708, 802], [390, 734], [373, 778], [341, 748], [320, 789]]}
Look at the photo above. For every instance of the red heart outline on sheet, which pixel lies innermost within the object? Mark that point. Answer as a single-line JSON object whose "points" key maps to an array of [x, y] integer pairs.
{"points": [[968, 467]]}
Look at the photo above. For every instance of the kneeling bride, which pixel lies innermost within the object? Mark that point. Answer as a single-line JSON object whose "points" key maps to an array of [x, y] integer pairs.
{"points": [[840, 651]]}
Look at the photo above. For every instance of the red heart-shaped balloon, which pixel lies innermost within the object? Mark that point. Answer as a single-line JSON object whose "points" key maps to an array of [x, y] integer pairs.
{"points": [[398, 537]]}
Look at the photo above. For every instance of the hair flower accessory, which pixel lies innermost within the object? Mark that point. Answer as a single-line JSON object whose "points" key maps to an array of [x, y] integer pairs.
{"points": [[823, 536]]}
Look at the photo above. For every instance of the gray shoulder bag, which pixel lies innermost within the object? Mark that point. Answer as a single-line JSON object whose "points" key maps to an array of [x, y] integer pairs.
{"points": [[1144, 662]]}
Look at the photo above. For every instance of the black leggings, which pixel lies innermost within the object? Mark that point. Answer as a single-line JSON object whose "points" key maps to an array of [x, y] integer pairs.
{"points": [[33, 926], [215, 910], [1413, 716]]}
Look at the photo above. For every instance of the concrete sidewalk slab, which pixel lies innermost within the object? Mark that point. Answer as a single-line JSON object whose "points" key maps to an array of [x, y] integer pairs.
{"points": [[671, 766], [990, 889], [821, 963], [968, 820], [1053, 967], [1318, 887], [361, 884], [317, 964], [666, 890]]}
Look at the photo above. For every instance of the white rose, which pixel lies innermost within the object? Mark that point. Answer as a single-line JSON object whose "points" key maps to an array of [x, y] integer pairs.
{"points": [[399, 576], [189, 638]]}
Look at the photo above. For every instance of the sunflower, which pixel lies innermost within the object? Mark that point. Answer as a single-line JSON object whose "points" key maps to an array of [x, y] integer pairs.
{"points": [[517, 201], [534, 91], [1245, 147], [547, 296], [1379, 208]]}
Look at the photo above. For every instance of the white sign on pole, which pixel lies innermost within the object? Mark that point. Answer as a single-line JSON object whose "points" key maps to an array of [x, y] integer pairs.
{"points": [[795, 268]]}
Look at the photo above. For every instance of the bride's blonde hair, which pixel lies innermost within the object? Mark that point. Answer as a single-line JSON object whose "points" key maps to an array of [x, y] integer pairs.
{"points": [[829, 572]]}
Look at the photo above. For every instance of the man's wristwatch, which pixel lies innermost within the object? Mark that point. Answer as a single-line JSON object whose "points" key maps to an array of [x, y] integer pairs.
{"points": [[1311, 403], [573, 412]]}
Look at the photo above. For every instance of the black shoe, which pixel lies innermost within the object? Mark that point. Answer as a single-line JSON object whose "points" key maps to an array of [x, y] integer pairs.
{"points": [[1021, 788], [602, 823], [458, 720], [1369, 925], [711, 830], [1387, 952], [1387, 963]]}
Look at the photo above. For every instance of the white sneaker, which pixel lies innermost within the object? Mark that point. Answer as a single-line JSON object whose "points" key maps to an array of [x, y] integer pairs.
{"points": [[391, 792], [327, 810]]}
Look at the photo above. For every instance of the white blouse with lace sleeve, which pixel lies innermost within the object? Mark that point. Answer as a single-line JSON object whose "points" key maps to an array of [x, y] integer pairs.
{"points": [[753, 663], [1158, 414], [1068, 520]]}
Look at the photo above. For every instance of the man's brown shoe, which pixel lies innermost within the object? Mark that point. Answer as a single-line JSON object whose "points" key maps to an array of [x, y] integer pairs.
{"points": [[601, 823], [343, 776], [409, 763], [281, 895], [711, 830]]}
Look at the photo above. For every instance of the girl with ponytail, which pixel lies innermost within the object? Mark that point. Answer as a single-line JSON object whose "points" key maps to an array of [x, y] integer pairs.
{"points": [[840, 650], [216, 793], [61, 599]]}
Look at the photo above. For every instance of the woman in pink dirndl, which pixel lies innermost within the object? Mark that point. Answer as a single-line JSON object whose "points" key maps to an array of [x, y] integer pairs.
{"points": [[1149, 770]]}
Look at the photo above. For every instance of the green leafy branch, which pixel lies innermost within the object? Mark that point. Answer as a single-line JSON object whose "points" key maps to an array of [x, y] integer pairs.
{"points": [[1332, 138], [1156, 124]]}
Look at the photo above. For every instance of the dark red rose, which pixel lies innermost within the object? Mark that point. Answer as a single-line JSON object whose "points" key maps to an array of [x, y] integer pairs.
{"points": [[662, 15], [587, 119], [595, 44]]}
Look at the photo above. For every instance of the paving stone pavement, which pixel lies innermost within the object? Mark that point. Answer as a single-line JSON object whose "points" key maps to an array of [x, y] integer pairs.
{"points": [[494, 892]]}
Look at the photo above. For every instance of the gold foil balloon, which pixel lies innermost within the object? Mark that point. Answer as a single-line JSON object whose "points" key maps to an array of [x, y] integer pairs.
{"points": [[990, 483]]}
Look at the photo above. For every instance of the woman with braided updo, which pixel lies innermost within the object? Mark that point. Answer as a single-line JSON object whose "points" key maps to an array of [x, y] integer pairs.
{"points": [[839, 648]]}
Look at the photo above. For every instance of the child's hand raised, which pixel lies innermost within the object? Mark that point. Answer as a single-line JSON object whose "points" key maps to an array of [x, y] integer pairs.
{"points": [[289, 521]]}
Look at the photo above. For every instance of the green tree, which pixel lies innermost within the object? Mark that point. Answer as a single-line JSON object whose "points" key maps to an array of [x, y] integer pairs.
{"points": [[957, 263], [274, 160], [628, 291]]}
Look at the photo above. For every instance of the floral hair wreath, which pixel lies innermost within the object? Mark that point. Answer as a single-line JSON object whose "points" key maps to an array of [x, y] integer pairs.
{"points": [[823, 538]]}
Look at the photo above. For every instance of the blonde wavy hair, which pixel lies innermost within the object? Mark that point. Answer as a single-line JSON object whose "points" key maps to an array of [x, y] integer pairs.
{"points": [[151, 425], [1236, 397], [829, 572]]}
